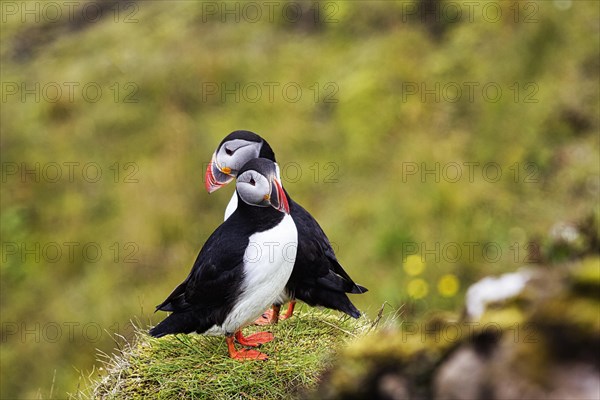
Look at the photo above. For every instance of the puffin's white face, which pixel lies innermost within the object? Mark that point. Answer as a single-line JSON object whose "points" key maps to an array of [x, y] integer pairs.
{"points": [[233, 154], [254, 188], [227, 161], [262, 188]]}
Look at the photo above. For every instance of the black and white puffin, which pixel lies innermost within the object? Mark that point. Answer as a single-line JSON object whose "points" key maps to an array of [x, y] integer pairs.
{"points": [[318, 279], [242, 268]]}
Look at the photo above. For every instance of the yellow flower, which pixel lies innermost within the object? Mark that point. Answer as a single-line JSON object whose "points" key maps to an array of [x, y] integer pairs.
{"points": [[414, 265], [448, 285]]}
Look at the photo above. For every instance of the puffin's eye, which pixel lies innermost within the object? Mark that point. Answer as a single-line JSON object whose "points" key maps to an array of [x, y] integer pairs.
{"points": [[252, 182], [229, 152]]}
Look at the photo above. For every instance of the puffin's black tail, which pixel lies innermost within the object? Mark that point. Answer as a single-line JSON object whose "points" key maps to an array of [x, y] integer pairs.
{"points": [[348, 308], [330, 299], [175, 323], [358, 289]]}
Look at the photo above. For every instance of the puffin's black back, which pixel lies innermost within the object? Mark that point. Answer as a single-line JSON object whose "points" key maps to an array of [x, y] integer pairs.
{"points": [[210, 290]]}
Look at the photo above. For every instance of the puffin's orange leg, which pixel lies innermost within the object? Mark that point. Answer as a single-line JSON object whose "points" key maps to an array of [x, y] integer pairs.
{"points": [[289, 311], [269, 317], [243, 354], [255, 339]]}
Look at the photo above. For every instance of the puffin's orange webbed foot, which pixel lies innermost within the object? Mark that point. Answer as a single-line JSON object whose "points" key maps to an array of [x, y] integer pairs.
{"points": [[243, 354], [269, 317], [255, 339], [247, 354]]}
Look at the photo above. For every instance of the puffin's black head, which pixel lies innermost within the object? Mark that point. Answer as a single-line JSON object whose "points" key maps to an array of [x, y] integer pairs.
{"points": [[235, 150], [258, 184]]}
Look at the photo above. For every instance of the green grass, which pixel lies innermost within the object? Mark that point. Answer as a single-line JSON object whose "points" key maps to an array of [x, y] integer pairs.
{"points": [[196, 366]]}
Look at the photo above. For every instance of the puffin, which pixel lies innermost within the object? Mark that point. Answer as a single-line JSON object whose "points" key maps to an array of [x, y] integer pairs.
{"points": [[242, 268], [318, 279]]}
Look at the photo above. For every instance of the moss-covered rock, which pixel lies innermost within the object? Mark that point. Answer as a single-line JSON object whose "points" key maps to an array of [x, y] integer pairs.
{"points": [[541, 343]]}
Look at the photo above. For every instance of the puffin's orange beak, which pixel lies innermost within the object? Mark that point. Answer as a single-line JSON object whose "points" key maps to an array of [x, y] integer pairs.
{"points": [[215, 178], [278, 198]]}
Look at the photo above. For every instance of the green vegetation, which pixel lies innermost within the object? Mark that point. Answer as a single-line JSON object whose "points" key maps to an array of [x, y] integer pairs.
{"points": [[83, 253], [192, 366]]}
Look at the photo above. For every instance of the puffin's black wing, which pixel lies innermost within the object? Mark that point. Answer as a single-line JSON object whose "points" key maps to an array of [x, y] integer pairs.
{"points": [[211, 279], [205, 297], [335, 267], [318, 279], [316, 256]]}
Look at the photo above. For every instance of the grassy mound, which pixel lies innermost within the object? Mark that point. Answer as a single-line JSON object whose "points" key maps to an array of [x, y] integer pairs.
{"points": [[196, 366]]}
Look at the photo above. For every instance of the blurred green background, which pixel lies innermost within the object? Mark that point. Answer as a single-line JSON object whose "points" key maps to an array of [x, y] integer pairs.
{"points": [[435, 142]]}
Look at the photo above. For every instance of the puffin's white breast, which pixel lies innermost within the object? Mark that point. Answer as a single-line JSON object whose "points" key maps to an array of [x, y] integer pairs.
{"points": [[268, 263]]}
